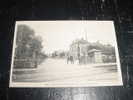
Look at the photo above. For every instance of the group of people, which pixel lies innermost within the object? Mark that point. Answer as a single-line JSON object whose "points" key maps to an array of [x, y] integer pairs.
{"points": [[72, 60]]}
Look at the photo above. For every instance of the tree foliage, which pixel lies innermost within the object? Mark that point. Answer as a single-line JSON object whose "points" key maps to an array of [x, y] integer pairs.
{"points": [[106, 49], [28, 45]]}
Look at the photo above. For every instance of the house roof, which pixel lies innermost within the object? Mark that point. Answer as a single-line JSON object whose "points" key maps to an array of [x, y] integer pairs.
{"points": [[93, 50]]}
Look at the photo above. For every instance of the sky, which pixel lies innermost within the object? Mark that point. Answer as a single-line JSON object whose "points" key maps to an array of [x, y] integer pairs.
{"points": [[58, 35]]}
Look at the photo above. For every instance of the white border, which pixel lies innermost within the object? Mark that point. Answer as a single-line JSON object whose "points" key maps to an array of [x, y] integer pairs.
{"points": [[46, 84], [117, 57], [13, 51]]}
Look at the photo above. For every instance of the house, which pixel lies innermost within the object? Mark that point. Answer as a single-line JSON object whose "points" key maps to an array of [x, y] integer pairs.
{"points": [[95, 56], [79, 50]]}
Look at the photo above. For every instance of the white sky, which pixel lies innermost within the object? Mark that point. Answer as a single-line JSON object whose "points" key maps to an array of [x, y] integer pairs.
{"points": [[58, 35]]}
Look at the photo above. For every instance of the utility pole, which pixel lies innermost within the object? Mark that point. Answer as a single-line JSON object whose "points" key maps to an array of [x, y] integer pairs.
{"points": [[78, 53]]}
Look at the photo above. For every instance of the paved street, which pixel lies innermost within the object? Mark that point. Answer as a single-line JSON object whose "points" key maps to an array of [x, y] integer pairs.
{"points": [[57, 71]]}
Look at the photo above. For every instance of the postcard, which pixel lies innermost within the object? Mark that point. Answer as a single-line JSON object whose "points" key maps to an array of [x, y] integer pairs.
{"points": [[75, 53]]}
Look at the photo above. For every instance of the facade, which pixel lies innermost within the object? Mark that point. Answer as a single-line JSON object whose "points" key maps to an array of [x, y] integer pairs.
{"points": [[95, 56], [78, 48]]}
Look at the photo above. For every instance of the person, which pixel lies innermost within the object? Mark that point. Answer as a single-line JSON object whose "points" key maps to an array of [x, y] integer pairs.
{"points": [[70, 58], [36, 64]]}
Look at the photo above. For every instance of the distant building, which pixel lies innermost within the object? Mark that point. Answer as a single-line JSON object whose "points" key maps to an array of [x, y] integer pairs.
{"points": [[95, 56], [79, 50], [108, 57]]}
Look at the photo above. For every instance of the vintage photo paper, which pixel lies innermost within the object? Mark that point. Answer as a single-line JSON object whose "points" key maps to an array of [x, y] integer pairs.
{"points": [[65, 54]]}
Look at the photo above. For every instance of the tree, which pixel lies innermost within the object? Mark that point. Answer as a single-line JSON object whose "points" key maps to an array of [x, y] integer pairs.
{"points": [[28, 46], [107, 49]]}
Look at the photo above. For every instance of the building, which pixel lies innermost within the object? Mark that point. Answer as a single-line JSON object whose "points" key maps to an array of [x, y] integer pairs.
{"points": [[95, 56], [79, 50]]}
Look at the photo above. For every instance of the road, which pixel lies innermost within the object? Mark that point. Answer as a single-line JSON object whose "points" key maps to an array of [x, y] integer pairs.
{"points": [[58, 72]]}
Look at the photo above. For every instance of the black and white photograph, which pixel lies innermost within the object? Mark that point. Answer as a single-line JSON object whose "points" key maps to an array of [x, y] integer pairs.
{"points": [[75, 53]]}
